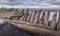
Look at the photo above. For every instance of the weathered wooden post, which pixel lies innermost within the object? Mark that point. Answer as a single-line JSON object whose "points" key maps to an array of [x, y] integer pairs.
{"points": [[42, 18], [33, 17], [16, 10], [37, 17], [53, 23], [29, 17], [58, 24], [46, 20], [17, 15], [25, 15]]}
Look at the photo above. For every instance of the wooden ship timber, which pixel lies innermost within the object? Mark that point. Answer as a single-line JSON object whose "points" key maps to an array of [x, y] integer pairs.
{"points": [[37, 22]]}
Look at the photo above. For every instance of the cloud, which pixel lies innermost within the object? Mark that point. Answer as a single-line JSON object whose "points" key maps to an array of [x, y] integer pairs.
{"points": [[27, 2], [10, 2], [32, 3]]}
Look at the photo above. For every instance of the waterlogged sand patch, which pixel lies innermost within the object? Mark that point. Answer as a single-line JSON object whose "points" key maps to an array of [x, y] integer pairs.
{"points": [[1, 21], [6, 29]]}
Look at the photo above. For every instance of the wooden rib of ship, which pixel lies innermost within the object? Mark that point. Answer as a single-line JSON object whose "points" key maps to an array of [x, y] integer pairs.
{"points": [[37, 22]]}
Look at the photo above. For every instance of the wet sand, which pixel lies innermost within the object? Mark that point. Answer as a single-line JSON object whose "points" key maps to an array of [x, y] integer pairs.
{"points": [[9, 30]]}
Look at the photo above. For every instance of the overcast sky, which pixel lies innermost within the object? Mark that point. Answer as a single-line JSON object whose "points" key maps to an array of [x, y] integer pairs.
{"points": [[30, 3]]}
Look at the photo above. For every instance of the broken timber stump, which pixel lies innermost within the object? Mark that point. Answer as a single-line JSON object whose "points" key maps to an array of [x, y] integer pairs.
{"points": [[25, 16], [53, 23], [37, 17], [46, 20], [33, 17], [29, 17], [42, 18], [58, 24]]}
